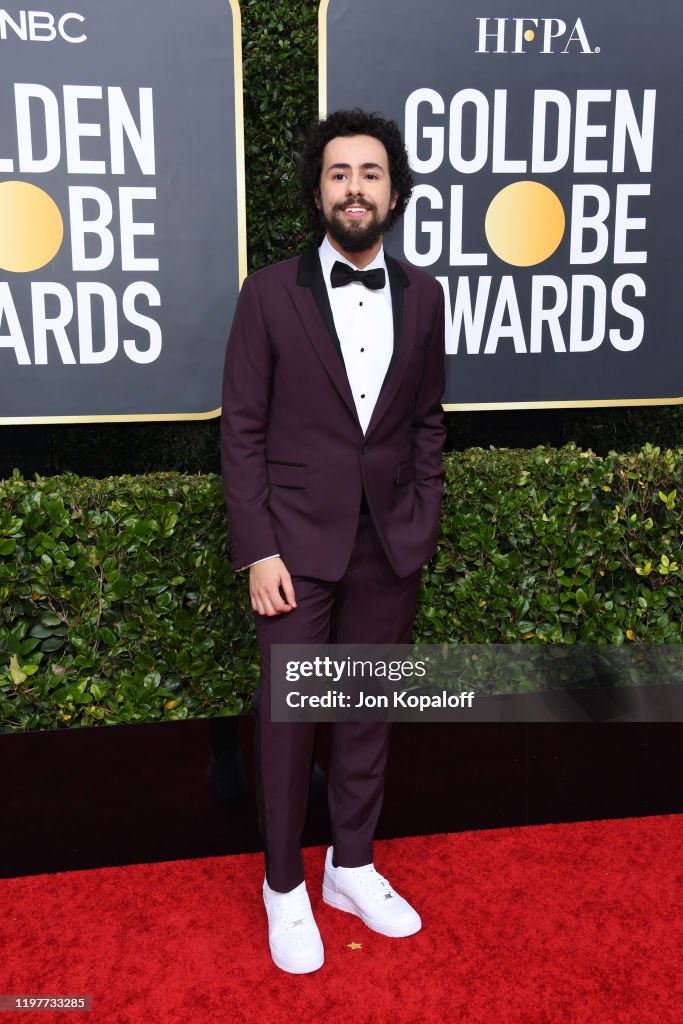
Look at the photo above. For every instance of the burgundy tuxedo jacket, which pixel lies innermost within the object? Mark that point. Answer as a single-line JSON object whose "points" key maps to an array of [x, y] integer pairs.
{"points": [[295, 461]]}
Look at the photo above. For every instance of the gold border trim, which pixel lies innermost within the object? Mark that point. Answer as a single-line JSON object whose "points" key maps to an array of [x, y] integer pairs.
{"points": [[322, 58], [592, 403], [114, 418], [240, 189], [239, 144]]}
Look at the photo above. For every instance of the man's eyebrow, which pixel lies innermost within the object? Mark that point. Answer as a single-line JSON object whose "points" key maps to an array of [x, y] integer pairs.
{"points": [[347, 167]]}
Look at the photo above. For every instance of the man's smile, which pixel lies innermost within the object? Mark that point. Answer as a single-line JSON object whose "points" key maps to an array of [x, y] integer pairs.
{"points": [[356, 210]]}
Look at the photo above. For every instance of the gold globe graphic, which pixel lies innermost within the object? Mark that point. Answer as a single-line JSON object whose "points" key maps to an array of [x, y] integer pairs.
{"points": [[524, 223], [31, 227]]}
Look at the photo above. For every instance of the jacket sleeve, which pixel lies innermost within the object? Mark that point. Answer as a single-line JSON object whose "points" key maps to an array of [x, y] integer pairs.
{"points": [[429, 431], [244, 418]]}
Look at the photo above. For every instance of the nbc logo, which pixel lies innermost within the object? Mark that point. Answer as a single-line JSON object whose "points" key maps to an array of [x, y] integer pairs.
{"points": [[41, 27]]}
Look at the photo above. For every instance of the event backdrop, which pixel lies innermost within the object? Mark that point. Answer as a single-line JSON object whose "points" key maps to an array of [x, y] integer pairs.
{"points": [[548, 154], [122, 242]]}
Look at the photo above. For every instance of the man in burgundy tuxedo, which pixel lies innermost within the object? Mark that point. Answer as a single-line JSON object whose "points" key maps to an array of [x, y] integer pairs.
{"points": [[332, 434]]}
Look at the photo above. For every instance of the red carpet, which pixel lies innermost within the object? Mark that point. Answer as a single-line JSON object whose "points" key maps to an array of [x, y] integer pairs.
{"points": [[553, 924]]}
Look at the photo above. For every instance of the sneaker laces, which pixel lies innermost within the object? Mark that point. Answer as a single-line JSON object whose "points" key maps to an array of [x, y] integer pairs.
{"points": [[294, 911], [373, 883]]}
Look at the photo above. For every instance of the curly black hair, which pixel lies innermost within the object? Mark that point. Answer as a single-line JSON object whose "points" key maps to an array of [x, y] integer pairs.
{"points": [[353, 122]]}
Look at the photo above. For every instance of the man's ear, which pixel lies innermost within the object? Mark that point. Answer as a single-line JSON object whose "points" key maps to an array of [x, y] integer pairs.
{"points": [[394, 198], [316, 197]]}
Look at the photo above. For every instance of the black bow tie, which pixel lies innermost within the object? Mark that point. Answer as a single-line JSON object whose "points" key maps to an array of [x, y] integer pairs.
{"points": [[343, 274]]}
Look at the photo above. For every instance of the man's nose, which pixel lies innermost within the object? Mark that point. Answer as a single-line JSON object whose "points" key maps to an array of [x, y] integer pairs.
{"points": [[355, 184]]}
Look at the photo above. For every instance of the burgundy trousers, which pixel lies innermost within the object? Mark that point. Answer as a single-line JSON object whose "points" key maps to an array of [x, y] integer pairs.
{"points": [[369, 604]]}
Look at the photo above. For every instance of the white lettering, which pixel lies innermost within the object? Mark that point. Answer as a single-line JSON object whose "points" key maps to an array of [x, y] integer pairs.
{"points": [[456, 256], [540, 164], [584, 131], [549, 34], [519, 32], [478, 132], [138, 319], [621, 343], [20, 29], [582, 222], [15, 338], [640, 136], [481, 113], [550, 315], [98, 226], [431, 228], [75, 130], [27, 129], [498, 34], [71, 16], [463, 316], [130, 228], [578, 35], [414, 136], [108, 328], [41, 25], [41, 293], [623, 224], [582, 283], [506, 303], [501, 165], [122, 125]]}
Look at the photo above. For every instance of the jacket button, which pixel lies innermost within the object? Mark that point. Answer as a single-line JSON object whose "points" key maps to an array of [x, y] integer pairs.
{"points": [[365, 449]]}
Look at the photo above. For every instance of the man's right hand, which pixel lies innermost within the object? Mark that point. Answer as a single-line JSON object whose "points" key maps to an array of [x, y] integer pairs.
{"points": [[268, 582]]}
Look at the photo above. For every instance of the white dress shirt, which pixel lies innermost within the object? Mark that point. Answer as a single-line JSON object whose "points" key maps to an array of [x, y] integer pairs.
{"points": [[365, 328]]}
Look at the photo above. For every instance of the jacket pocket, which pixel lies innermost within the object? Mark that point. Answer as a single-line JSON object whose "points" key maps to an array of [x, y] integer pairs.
{"points": [[286, 474], [405, 471]]}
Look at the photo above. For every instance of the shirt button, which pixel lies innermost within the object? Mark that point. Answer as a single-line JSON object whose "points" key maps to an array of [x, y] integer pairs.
{"points": [[362, 350], [362, 396]]}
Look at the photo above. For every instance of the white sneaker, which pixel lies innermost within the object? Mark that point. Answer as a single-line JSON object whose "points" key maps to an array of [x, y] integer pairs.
{"points": [[295, 943], [367, 894]]}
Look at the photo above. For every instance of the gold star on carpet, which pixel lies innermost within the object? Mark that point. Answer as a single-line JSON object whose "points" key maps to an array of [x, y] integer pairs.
{"points": [[354, 945]]}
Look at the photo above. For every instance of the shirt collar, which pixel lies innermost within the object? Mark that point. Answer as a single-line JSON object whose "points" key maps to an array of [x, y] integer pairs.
{"points": [[329, 255]]}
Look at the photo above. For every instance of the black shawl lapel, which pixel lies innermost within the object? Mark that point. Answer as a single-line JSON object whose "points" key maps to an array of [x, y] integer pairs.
{"points": [[404, 308], [397, 283], [310, 275], [313, 307]]}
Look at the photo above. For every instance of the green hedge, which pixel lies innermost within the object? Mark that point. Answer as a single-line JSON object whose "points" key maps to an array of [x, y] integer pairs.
{"points": [[558, 546], [117, 605], [117, 602]]}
